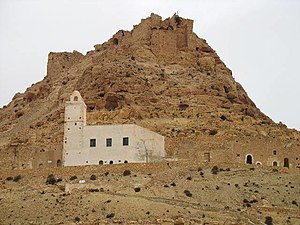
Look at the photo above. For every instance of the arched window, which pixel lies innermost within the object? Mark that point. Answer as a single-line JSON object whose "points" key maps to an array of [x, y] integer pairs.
{"points": [[275, 163], [76, 98], [111, 162], [100, 162], [125, 161]]}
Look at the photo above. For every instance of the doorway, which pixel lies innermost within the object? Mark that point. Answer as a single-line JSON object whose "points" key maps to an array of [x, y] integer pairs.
{"points": [[249, 159], [58, 163], [286, 163]]}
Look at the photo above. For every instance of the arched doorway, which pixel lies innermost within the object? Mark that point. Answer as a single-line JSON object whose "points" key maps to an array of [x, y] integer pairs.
{"points": [[286, 163], [111, 162], [275, 163], [58, 163], [249, 159], [100, 162]]}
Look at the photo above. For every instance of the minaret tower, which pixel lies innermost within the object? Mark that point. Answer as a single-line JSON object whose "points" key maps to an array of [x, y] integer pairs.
{"points": [[75, 120]]}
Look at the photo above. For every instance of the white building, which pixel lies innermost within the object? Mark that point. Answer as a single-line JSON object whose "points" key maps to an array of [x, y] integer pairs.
{"points": [[106, 144]]}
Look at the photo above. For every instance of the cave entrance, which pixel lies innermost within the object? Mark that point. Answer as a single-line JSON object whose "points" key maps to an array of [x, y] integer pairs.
{"points": [[286, 163], [249, 159]]}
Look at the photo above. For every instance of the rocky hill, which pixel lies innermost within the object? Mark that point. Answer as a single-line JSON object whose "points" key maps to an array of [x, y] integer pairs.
{"points": [[159, 75]]}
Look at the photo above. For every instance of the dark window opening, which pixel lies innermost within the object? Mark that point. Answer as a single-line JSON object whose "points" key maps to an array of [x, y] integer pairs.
{"points": [[100, 162], [275, 163], [116, 41], [286, 163], [58, 163], [238, 155], [111, 162], [93, 142], [119, 160], [125, 141], [108, 142], [258, 163], [249, 159], [86, 161], [65, 142], [76, 98], [125, 161], [75, 124], [274, 153]]}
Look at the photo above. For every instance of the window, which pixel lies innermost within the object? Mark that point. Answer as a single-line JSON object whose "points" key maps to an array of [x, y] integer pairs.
{"points": [[274, 153], [108, 142], [125, 141], [93, 142]]}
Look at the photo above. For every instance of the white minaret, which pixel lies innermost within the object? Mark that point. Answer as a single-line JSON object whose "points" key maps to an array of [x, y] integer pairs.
{"points": [[75, 120]]}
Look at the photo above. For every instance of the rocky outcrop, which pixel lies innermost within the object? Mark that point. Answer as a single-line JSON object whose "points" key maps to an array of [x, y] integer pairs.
{"points": [[159, 75]]}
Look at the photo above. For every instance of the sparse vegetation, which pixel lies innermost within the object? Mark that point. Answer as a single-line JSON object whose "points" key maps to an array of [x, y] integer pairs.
{"points": [[17, 178], [187, 193], [51, 179], [93, 177], [110, 215], [269, 220], [9, 178], [294, 203], [73, 177], [215, 170], [126, 172], [173, 184]]}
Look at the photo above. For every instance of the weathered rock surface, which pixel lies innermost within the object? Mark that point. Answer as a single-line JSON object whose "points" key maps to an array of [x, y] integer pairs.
{"points": [[161, 76]]}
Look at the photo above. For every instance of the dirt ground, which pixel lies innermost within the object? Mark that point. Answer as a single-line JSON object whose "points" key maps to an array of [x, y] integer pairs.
{"points": [[164, 193]]}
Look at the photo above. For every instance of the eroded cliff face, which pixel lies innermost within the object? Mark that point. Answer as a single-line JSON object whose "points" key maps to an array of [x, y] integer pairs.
{"points": [[160, 75]]}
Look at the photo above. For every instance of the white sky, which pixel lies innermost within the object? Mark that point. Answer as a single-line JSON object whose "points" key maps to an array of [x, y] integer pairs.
{"points": [[259, 40]]}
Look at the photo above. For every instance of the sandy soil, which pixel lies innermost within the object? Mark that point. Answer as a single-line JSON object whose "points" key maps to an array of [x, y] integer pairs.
{"points": [[165, 193]]}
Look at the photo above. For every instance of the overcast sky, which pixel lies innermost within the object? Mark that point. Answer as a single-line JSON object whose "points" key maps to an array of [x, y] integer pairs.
{"points": [[259, 40]]}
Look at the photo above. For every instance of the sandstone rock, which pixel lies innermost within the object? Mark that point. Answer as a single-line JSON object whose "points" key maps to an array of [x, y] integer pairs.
{"points": [[159, 75]]}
